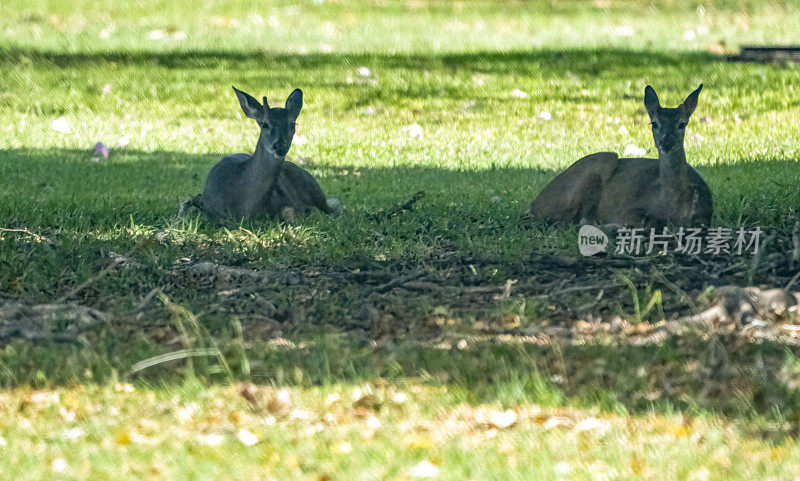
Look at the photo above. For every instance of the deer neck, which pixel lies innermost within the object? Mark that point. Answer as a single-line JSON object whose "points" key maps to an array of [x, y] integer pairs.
{"points": [[265, 161], [265, 168], [672, 169]]}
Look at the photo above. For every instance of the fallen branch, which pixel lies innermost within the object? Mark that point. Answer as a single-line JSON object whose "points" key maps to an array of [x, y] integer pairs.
{"points": [[398, 281], [36, 321], [116, 260], [36, 237], [567, 290]]}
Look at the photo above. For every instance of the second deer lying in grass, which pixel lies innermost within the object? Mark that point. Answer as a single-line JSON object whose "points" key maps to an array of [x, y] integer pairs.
{"points": [[248, 186], [605, 188]]}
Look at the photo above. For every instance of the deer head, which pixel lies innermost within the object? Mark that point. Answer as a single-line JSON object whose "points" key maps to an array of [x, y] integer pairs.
{"points": [[277, 124]]}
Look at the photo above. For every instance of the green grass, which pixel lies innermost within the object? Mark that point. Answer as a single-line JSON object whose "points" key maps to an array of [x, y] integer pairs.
{"points": [[694, 401]]}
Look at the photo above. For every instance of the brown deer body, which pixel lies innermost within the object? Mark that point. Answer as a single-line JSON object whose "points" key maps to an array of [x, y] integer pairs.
{"points": [[607, 189]]}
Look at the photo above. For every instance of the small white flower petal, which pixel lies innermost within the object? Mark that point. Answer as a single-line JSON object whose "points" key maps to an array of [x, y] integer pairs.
{"points": [[425, 469], [246, 437], [61, 125]]}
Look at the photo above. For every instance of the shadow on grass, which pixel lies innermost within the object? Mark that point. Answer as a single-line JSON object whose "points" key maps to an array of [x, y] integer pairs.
{"points": [[89, 209], [536, 61], [51, 188], [568, 68]]}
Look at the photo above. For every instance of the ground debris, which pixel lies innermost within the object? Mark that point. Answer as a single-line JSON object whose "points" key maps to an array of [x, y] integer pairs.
{"points": [[743, 305], [59, 322], [575, 300]]}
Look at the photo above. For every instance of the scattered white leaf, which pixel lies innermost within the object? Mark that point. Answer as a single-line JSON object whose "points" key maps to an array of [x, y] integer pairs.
{"points": [[73, 433], [301, 414], [702, 474], [502, 419], [591, 424], [519, 94], [414, 131], [344, 447], [553, 422], [123, 141], [246, 437], [68, 415], [61, 125], [399, 397], [737, 119], [59, 465], [332, 398], [212, 439], [689, 35], [544, 115], [299, 140], [424, 469], [124, 387], [44, 397], [634, 150], [179, 35], [624, 31], [184, 413], [562, 468], [364, 71], [3, 442], [696, 137], [370, 110], [462, 344], [373, 422], [157, 35], [106, 89], [105, 33], [326, 48], [623, 130]]}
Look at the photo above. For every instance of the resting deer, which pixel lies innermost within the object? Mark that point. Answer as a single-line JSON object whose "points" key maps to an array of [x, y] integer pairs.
{"points": [[264, 183], [605, 188]]}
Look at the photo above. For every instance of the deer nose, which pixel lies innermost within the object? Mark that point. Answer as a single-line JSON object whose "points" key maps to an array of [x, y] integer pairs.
{"points": [[667, 143], [280, 148]]}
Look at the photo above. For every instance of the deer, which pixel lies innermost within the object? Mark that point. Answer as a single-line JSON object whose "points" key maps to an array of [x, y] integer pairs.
{"points": [[607, 189], [264, 183]]}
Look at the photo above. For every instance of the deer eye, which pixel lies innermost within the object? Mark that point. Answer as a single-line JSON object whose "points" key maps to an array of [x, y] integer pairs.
{"points": [[654, 124]]}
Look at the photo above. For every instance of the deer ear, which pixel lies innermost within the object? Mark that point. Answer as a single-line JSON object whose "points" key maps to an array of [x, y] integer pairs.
{"points": [[690, 103], [651, 101], [294, 103], [250, 106]]}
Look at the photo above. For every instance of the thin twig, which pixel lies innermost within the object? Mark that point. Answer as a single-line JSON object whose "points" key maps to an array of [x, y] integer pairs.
{"points": [[578, 289], [397, 281]]}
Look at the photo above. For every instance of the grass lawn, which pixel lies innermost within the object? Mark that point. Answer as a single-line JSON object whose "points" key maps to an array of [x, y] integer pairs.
{"points": [[445, 339]]}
